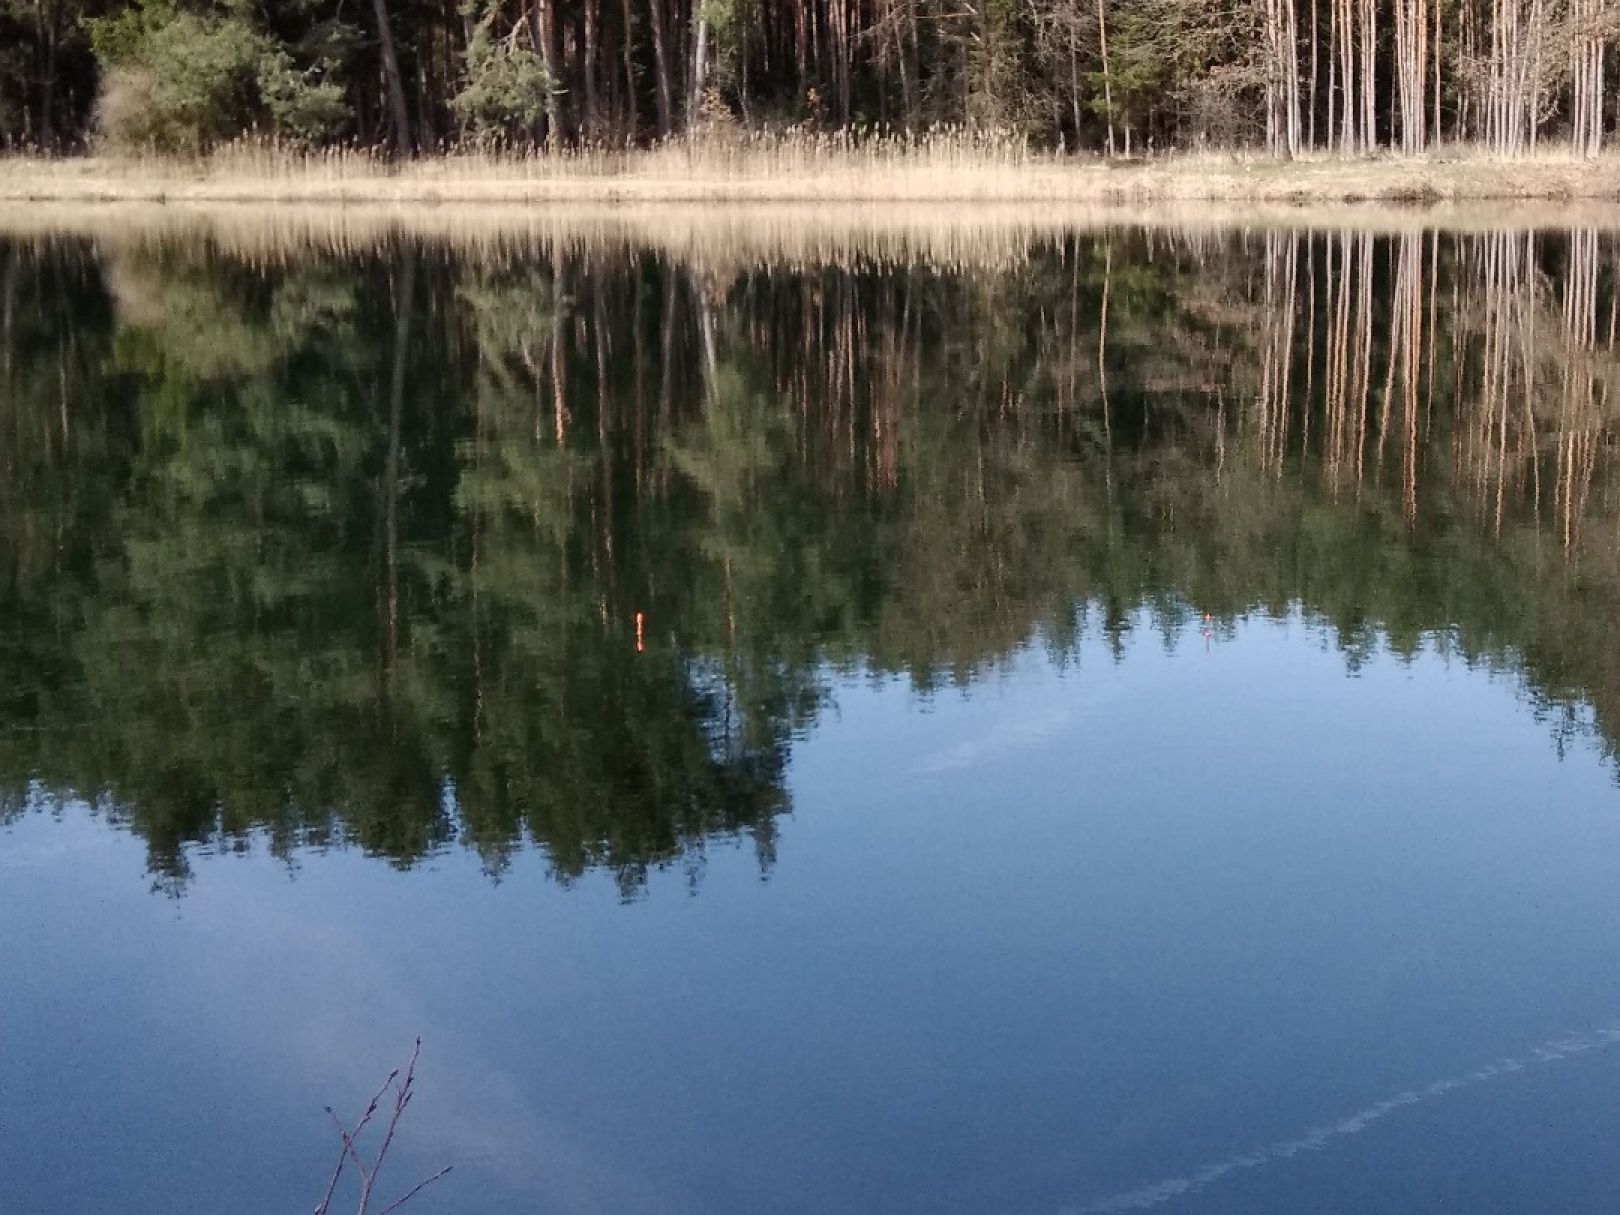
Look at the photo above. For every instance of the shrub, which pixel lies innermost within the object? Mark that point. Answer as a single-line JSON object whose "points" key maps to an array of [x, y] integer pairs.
{"points": [[177, 80], [504, 85]]}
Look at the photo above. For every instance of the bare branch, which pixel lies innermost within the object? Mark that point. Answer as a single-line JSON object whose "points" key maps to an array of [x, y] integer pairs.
{"points": [[415, 1190], [404, 1090]]}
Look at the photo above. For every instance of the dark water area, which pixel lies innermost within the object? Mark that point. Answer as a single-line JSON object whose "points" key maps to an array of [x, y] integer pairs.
{"points": [[1109, 723]]}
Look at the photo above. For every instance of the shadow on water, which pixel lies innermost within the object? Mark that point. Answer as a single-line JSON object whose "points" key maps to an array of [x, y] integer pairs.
{"points": [[402, 544]]}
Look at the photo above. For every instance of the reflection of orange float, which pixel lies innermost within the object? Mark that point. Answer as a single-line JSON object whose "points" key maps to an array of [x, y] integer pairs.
{"points": [[639, 646]]}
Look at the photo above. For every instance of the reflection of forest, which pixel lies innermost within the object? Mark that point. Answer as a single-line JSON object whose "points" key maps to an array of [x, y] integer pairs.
{"points": [[395, 548]]}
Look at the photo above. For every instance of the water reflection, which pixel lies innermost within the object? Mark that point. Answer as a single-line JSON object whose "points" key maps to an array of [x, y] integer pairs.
{"points": [[399, 545]]}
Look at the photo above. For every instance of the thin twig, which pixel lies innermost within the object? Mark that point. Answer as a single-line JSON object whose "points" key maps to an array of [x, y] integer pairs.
{"points": [[325, 1204], [420, 1186], [404, 1090], [402, 1098]]}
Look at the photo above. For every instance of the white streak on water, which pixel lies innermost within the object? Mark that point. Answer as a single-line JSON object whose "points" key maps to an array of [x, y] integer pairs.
{"points": [[1318, 1137]]}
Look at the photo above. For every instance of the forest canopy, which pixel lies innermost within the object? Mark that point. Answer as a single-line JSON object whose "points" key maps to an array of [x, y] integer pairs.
{"points": [[1117, 76]]}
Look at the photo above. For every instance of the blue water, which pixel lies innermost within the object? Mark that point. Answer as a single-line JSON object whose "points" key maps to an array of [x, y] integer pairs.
{"points": [[1070, 935]]}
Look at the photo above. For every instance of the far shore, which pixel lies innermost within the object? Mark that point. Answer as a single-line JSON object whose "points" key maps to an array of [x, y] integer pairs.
{"points": [[706, 174]]}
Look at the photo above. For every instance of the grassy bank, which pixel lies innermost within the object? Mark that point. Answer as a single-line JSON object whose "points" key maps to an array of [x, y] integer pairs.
{"points": [[808, 170]]}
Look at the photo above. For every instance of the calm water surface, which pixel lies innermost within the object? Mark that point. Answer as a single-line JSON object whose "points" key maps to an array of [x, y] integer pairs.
{"points": [[1095, 724]]}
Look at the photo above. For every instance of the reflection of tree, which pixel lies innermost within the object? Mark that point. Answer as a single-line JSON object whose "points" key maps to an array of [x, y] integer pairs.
{"points": [[392, 550]]}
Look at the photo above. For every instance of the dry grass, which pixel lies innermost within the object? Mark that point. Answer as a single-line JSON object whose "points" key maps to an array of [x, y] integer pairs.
{"points": [[941, 234], [722, 240], [946, 166]]}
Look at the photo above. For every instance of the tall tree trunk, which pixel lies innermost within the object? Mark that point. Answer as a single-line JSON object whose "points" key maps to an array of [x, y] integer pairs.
{"points": [[1438, 41], [700, 67], [545, 21], [655, 10], [1291, 68], [49, 36], [399, 117], [1310, 135], [627, 39], [1108, 86], [590, 120], [1369, 75]]}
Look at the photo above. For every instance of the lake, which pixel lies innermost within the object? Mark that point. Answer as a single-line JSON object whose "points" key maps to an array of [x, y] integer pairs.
{"points": [[1044, 720]]}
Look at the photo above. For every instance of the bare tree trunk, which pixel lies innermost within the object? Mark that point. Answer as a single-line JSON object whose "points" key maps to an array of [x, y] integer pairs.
{"points": [[1438, 41], [1108, 87], [666, 107], [545, 23], [1369, 76], [1411, 56], [397, 113], [48, 29], [627, 48], [1310, 137], [700, 67], [1587, 98], [1291, 72], [589, 121]]}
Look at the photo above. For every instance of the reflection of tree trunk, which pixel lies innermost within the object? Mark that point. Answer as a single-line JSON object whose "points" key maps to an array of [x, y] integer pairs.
{"points": [[1277, 347], [1580, 420], [666, 350], [396, 409], [711, 362], [8, 313], [1405, 358], [1347, 370], [398, 115], [559, 364], [604, 414], [1102, 364]]}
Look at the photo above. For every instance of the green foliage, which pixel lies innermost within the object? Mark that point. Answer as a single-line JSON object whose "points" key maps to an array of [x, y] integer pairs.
{"points": [[175, 80], [558, 591], [728, 29], [183, 80], [303, 107], [504, 85]]}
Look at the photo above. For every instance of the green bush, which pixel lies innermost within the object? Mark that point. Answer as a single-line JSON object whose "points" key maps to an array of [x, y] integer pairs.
{"points": [[504, 85], [178, 80]]}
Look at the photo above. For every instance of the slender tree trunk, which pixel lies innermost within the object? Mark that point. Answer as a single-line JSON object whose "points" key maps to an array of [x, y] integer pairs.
{"points": [[666, 108], [1310, 137], [700, 67], [1438, 42], [1108, 87], [545, 22], [627, 40], [399, 117], [1369, 75], [1291, 70], [590, 120], [48, 37]]}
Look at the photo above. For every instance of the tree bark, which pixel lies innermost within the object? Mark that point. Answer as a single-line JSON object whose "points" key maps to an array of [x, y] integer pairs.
{"points": [[398, 116], [655, 9]]}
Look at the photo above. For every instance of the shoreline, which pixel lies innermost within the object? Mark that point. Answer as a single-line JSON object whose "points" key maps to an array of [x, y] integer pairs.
{"points": [[708, 175], [725, 238]]}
